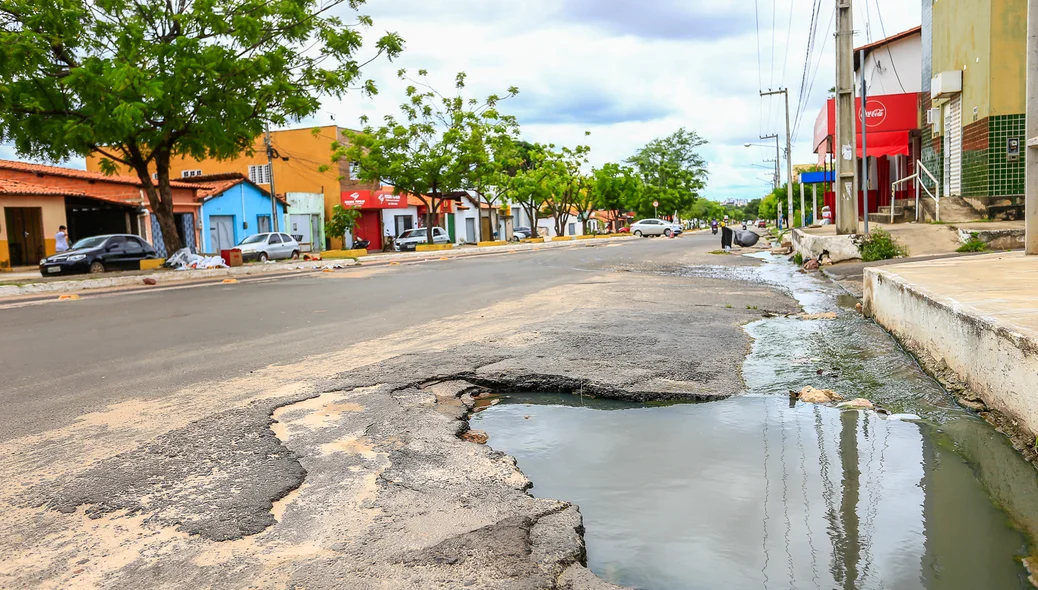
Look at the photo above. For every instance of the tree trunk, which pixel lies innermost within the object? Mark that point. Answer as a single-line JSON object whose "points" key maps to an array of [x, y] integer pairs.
{"points": [[160, 199]]}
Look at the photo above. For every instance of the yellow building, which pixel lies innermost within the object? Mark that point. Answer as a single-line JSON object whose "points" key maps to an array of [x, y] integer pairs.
{"points": [[302, 154], [974, 71], [30, 215]]}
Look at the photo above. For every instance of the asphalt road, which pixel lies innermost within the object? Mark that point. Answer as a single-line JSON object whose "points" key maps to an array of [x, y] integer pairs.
{"points": [[61, 360]]}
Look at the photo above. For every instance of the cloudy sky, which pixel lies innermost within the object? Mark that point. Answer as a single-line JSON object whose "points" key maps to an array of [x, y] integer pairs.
{"points": [[627, 70]]}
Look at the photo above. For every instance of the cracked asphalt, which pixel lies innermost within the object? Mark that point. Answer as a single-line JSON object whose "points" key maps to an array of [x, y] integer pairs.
{"points": [[304, 432]]}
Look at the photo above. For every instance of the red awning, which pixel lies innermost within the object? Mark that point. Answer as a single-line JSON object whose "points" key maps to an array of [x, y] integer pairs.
{"points": [[886, 143]]}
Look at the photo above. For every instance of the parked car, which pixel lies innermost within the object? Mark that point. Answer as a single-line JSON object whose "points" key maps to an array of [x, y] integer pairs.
{"points": [[268, 246], [522, 233], [410, 239], [98, 254], [652, 227], [762, 224]]}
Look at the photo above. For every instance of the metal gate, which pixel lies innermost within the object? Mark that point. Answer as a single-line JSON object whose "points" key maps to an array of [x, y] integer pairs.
{"points": [[953, 147], [221, 233], [302, 229]]}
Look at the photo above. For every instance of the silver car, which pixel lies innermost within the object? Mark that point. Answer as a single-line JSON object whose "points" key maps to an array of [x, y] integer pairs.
{"points": [[410, 239], [652, 227], [269, 246]]}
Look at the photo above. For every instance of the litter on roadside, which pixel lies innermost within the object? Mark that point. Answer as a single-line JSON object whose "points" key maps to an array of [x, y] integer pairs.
{"points": [[184, 259]]}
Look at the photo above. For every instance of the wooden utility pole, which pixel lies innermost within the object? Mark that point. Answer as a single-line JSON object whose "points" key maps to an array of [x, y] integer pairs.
{"points": [[274, 225], [1031, 157], [789, 152], [846, 156]]}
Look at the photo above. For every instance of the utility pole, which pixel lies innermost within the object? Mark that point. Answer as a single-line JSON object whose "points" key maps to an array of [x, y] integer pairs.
{"points": [[778, 159], [864, 144], [789, 151], [803, 209], [846, 175], [1031, 157], [271, 154]]}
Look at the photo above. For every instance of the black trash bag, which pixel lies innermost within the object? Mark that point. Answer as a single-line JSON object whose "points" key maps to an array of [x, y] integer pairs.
{"points": [[745, 238]]}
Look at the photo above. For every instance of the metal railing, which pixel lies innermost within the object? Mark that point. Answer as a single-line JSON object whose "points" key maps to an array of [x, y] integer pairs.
{"points": [[935, 194]]}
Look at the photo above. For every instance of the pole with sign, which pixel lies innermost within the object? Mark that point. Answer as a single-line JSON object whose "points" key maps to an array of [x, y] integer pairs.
{"points": [[656, 209]]}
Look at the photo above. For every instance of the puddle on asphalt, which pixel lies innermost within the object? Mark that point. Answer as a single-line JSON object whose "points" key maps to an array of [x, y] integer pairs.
{"points": [[749, 492]]}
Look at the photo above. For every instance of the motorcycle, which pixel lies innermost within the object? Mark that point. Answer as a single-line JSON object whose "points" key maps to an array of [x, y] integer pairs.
{"points": [[360, 244], [713, 229]]}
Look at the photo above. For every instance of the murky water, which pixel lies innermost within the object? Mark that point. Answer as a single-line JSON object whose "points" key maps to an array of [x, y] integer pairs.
{"points": [[749, 492]]}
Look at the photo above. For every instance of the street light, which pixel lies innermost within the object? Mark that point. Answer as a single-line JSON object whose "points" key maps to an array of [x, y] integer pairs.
{"points": [[778, 158]]}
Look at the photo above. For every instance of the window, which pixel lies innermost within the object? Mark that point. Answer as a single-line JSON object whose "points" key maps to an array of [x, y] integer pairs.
{"points": [[274, 239], [354, 170], [260, 174], [190, 173], [263, 223], [286, 238], [133, 246], [116, 244]]}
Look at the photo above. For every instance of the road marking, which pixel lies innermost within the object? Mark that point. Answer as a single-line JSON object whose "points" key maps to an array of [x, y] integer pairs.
{"points": [[68, 298], [230, 281]]}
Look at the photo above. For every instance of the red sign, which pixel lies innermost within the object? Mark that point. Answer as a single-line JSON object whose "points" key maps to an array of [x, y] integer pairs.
{"points": [[889, 112], [365, 199]]}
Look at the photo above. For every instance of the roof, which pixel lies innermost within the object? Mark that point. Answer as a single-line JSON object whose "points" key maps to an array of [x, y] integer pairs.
{"points": [[877, 44], [211, 185], [10, 186], [80, 174]]}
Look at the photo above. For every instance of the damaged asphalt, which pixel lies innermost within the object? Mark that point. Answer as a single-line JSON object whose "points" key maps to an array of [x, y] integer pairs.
{"points": [[343, 472]]}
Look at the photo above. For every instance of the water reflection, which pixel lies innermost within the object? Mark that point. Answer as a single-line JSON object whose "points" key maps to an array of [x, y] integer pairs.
{"points": [[752, 493]]}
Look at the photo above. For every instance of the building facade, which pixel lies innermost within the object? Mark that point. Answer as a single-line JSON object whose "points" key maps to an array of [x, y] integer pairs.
{"points": [[973, 76], [233, 208], [304, 165]]}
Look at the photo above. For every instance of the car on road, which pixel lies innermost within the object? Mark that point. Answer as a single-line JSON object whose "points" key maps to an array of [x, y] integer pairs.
{"points": [[676, 228], [652, 227], [98, 254], [762, 224], [522, 233], [410, 239], [268, 246]]}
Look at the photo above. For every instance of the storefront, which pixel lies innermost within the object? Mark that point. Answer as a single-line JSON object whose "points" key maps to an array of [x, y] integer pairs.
{"points": [[892, 122]]}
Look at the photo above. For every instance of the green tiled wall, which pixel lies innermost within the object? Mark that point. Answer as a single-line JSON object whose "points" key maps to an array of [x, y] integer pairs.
{"points": [[932, 158], [976, 180], [1005, 178]]}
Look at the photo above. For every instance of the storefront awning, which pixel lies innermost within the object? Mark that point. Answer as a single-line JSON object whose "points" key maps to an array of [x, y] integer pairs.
{"points": [[885, 143]]}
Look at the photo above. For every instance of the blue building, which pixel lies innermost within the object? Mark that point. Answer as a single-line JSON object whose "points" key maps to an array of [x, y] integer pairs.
{"points": [[233, 208]]}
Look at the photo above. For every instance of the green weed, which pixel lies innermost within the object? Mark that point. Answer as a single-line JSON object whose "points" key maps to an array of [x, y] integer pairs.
{"points": [[880, 245], [974, 244], [798, 258]]}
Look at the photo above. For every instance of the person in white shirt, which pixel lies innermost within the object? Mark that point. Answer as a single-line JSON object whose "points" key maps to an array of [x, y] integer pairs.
{"points": [[61, 239]]}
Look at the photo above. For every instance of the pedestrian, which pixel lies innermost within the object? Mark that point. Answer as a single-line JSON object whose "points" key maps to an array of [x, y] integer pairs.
{"points": [[61, 239]]}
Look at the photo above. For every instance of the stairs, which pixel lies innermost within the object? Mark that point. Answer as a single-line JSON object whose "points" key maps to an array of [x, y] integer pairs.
{"points": [[953, 210], [904, 212]]}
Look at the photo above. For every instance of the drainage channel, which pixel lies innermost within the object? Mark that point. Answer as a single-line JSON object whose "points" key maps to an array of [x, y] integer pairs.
{"points": [[751, 492]]}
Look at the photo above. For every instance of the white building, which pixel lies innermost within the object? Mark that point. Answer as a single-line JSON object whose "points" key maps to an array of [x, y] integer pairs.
{"points": [[893, 65]]}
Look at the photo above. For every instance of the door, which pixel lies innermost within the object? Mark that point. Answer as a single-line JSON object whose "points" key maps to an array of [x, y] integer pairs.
{"points": [[402, 223], [470, 230], [221, 233], [273, 246], [315, 234], [114, 256], [25, 235], [134, 253], [368, 229], [953, 147], [288, 246], [301, 228]]}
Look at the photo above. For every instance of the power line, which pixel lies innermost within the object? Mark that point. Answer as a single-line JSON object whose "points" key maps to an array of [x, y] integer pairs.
{"points": [[814, 75]]}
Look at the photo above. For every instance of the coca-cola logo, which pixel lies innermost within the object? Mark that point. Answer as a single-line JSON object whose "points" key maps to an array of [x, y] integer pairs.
{"points": [[875, 113]]}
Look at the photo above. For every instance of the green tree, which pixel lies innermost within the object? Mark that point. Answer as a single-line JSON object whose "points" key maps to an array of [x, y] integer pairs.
{"points": [[566, 186], [528, 187], [342, 222], [430, 151], [496, 155], [143, 81], [616, 187], [672, 171]]}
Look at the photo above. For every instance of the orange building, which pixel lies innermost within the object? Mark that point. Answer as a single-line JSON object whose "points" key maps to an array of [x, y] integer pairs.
{"points": [[302, 154]]}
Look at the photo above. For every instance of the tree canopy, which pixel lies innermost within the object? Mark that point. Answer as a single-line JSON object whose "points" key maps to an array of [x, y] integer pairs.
{"points": [[672, 172], [144, 81]]}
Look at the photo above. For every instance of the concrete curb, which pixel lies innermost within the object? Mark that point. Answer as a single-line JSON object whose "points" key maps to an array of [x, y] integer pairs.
{"points": [[255, 270]]}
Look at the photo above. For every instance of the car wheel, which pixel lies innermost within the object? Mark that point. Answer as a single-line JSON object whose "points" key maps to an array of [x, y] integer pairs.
{"points": [[668, 233], [295, 255], [638, 232], [97, 267], [263, 257]]}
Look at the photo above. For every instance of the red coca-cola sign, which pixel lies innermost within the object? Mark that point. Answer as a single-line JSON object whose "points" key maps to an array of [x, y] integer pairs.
{"points": [[875, 113]]}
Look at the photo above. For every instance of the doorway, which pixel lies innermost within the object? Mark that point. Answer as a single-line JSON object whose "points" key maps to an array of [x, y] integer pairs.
{"points": [[221, 233], [403, 223], [470, 230], [25, 235]]}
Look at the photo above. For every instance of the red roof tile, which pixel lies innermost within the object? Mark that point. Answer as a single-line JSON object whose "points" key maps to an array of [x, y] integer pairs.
{"points": [[82, 174], [9, 186]]}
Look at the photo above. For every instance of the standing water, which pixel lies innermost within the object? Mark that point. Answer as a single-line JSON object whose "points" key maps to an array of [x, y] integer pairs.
{"points": [[750, 492]]}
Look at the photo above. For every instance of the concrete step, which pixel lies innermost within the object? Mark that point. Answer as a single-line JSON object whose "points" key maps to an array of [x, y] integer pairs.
{"points": [[900, 216]]}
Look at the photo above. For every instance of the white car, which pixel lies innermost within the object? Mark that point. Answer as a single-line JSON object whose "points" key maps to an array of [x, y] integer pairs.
{"points": [[410, 239], [652, 227], [268, 246]]}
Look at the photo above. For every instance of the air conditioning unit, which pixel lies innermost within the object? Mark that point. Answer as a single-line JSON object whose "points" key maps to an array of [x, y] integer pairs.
{"points": [[945, 84], [933, 117]]}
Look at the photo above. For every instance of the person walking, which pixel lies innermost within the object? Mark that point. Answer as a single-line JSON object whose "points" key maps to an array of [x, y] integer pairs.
{"points": [[61, 239]]}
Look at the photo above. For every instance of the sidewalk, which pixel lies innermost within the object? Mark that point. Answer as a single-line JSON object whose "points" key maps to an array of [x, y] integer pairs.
{"points": [[32, 284], [973, 324]]}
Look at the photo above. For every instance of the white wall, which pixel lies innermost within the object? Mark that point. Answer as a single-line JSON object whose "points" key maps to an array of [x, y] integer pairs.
{"points": [[460, 215], [389, 218], [895, 68]]}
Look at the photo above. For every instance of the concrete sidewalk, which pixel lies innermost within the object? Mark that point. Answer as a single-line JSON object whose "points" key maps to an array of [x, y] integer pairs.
{"points": [[26, 284], [973, 324]]}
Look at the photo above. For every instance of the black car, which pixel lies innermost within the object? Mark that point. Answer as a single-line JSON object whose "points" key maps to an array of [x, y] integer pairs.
{"points": [[98, 254]]}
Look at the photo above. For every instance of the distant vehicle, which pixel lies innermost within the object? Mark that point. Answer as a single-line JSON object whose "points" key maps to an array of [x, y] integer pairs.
{"points": [[268, 246], [410, 239], [652, 227], [522, 233], [98, 254], [762, 224], [676, 228]]}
